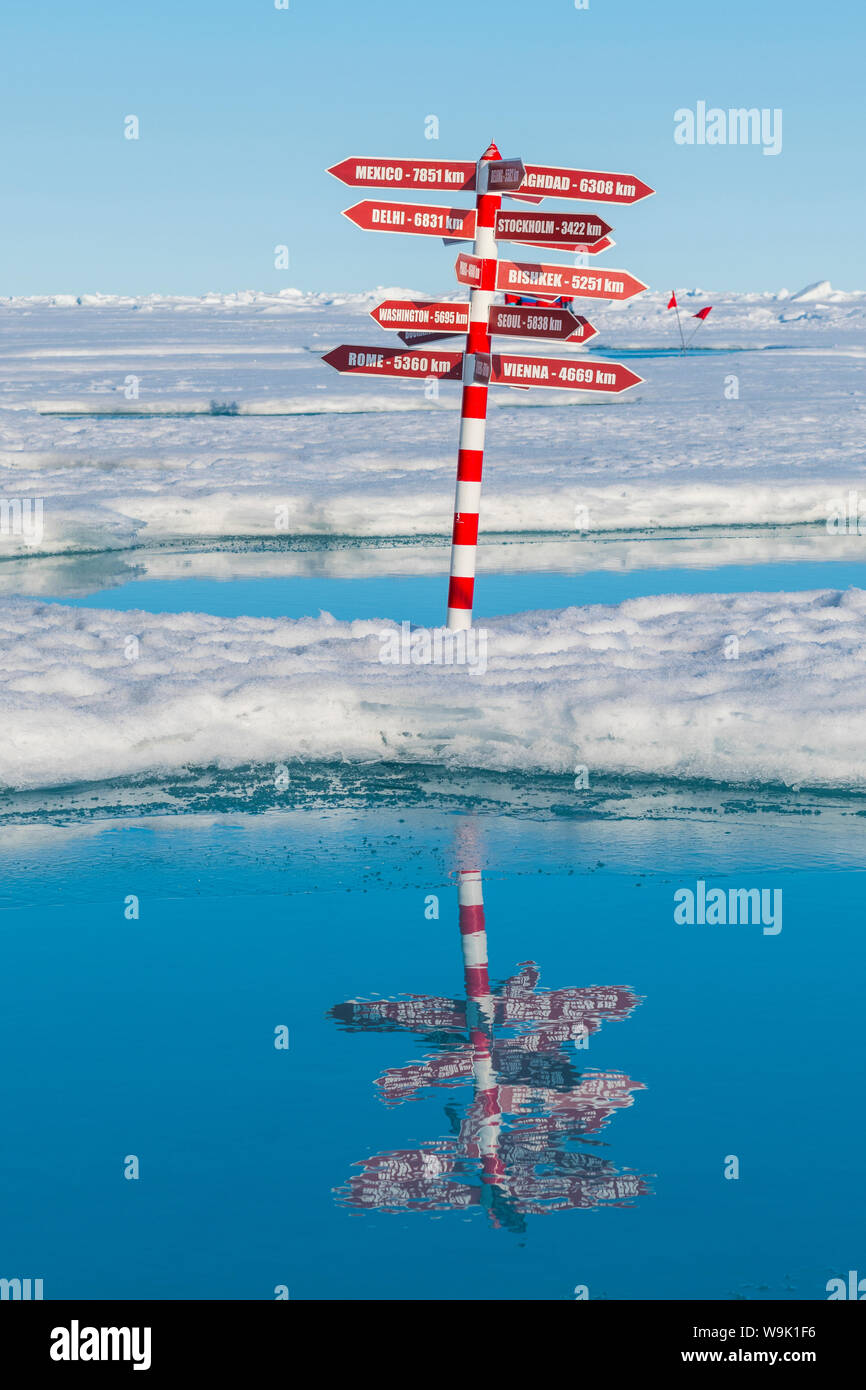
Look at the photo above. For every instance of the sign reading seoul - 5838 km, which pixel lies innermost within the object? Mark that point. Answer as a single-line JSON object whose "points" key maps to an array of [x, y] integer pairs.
{"points": [[539, 299]]}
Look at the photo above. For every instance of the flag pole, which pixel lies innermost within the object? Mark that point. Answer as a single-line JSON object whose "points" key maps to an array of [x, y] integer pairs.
{"points": [[679, 324], [473, 410], [702, 318]]}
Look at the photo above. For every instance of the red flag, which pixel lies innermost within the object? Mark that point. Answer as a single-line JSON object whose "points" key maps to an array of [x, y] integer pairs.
{"points": [[702, 313], [672, 302]]}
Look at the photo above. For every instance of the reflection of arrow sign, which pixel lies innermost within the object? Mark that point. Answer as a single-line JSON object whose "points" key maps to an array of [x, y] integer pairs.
{"points": [[568, 373], [420, 219], [422, 314], [525, 321], [559, 279], [545, 227], [374, 361], [552, 182]]}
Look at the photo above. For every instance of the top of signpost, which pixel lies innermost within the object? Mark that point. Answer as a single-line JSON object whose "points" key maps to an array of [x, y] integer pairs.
{"points": [[538, 180]]}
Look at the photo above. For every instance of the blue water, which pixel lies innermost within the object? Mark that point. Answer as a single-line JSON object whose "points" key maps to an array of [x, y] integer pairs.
{"points": [[422, 597], [154, 1037]]}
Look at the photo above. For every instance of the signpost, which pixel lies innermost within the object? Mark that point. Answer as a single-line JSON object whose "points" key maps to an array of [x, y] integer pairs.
{"points": [[548, 315]]}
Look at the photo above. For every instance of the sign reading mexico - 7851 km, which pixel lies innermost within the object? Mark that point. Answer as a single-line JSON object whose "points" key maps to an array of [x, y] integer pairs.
{"points": [[478, 367]]}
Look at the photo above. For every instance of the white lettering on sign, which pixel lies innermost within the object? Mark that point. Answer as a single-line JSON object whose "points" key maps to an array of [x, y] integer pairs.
{"points": [[526, 226], [408, 314], [549, 181], [379, 173], [536, 371], [516, 276], [393, 217], [365, 359]]}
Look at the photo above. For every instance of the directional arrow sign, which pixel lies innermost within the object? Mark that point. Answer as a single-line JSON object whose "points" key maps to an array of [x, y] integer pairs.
{"points": [[503, 175], [422, 219], [473, 270], [421, 174], [377, 361], [552, 182], [542, 227], [569, 373], [421, 314], [568, 280], [525, 321]]}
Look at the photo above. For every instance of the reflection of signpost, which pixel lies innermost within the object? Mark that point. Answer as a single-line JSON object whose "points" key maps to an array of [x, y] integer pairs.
{"points": [[492, 178], [511, 1153]]}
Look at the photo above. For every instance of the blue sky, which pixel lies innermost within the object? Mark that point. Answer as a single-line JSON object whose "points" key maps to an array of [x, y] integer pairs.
{"points": [[242, 107]]}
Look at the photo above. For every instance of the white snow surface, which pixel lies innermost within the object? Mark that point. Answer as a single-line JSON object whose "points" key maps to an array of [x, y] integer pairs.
{"points": [[642, 688], [764, 427]]}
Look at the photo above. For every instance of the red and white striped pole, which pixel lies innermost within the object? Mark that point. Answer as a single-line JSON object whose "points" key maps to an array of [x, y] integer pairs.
{"points": [[473, 413], [480, 1019]]}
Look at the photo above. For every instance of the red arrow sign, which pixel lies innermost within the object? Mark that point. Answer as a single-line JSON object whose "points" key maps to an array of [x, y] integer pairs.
{"points": [[423, 174], [569, 373], [504, 174], [545, 227], [472, 270], [422, 219], [377, 361], [525, 321], [421, 314], [552, 182], [568, 280]]}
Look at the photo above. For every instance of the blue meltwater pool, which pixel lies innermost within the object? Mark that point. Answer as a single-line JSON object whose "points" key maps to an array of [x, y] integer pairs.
{"points": [[597, 1049]]}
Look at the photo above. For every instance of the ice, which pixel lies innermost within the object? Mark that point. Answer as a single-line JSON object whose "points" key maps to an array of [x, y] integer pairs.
{"points": [[766, 428], [750, 689]]}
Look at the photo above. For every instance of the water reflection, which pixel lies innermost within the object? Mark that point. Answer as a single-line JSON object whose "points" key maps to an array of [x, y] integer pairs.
{"points": [[512, 1149]]}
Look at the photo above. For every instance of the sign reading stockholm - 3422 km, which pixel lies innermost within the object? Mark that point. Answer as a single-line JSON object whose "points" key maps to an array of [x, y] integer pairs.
{"points": [[567, 280]]}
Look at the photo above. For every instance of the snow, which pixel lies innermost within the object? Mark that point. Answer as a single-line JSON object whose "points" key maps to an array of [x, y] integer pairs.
{"points": [[652, 687], [315, 454]]}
